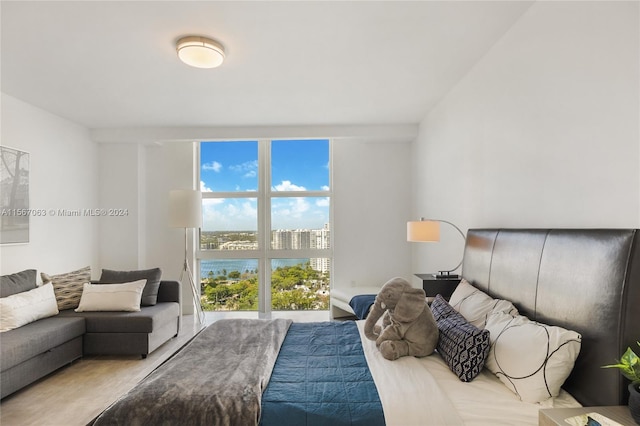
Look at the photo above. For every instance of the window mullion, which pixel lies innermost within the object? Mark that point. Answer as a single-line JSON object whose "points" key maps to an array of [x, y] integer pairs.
{"points": [[264, 225]]}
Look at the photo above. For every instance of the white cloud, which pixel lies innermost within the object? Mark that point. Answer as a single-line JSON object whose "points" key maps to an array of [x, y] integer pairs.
{"points": [[292, 211], [204, 188], [249, 210], [286, 213], [323, 202], [229, 214], [248, 168], [286, 185], [207, 202], [212, 166], [299, 207]]}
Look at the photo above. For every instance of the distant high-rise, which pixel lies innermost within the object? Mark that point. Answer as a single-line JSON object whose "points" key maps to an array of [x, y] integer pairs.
{"points": [[296, 239]]}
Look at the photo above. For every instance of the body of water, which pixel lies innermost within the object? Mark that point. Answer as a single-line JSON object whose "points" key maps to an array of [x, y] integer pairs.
{"points": [[241, 265]]}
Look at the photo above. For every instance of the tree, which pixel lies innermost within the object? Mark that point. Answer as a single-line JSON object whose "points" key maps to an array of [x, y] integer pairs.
{"points": [[292, 288]]}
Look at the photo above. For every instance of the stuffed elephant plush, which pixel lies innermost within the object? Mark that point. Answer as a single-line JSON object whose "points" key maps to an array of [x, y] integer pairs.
{"points": [[408, 328]]}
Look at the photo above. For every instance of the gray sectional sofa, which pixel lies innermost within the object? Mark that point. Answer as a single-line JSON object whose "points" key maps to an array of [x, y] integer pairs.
{"points": [[37, 349], [34, 350]]}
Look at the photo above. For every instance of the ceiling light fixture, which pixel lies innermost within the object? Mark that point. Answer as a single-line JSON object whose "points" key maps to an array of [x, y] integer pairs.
{"points": [[200, 52]]}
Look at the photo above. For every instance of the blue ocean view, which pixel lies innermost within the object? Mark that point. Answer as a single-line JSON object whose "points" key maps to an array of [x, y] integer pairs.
{"points": [[241, 265]]}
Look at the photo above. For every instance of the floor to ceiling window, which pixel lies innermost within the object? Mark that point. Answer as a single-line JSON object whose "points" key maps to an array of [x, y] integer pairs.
{"points": [[265, 242]]}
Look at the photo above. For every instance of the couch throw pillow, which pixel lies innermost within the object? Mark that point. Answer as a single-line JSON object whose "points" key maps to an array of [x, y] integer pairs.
{"points": [[123, 297], [18, 282], [23, 308], [153, 277], [68, 286]]}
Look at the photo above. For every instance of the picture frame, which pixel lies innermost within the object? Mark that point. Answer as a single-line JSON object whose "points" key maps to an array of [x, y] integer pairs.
{"points": [[14, 196]]}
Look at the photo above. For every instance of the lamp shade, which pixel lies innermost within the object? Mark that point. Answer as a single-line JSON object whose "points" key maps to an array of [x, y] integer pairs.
{"points": [[200, 52], [423, 231], [185, 208]]}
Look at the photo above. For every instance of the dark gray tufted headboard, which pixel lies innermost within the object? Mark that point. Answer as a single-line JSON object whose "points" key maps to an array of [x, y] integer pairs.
{"points": [[587, 280]]}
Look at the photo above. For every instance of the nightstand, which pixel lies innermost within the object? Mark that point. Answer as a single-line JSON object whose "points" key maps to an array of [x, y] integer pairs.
{"points": [[556, 416], [433, 285]]}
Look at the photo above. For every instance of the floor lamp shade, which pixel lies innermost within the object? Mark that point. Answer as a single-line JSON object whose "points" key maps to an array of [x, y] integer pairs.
{"points": [[185, 208]]}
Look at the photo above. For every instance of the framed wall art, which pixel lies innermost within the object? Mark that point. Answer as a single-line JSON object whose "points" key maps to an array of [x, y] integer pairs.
{"points": [[14, 196]]}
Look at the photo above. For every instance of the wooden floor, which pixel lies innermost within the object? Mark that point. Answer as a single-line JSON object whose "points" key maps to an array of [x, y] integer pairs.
{"points": [[76, 394]]}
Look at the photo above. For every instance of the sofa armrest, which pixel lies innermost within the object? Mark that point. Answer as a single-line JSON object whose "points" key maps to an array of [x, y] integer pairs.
{"points": [[169, 291]]}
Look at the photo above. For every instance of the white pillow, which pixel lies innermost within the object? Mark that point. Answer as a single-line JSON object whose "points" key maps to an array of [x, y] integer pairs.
{"points": [[532, 359], [26, 307], [475, 305], [111, 297]]}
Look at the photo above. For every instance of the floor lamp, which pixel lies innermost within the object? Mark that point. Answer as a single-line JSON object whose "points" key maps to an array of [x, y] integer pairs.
{"points": [[185, 211]]}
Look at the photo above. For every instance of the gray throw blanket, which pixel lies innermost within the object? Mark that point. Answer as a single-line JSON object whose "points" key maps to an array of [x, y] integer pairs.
{"points": [[217, 379]]}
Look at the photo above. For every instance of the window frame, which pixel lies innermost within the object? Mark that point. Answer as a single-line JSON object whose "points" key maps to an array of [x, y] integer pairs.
{"points": [[265, 253]]}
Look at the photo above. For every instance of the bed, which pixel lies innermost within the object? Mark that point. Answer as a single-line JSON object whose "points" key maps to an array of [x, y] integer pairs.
{"points": [[583, 282], [342, 301]]}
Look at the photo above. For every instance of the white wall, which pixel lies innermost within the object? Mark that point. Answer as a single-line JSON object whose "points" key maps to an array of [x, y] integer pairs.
{"points": [[63, 175], [121, 238], [542, 132], [138, 178], [372, 199], [168, 166]]}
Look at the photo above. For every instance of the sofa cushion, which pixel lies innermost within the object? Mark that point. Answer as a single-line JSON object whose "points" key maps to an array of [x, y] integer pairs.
{"points": [[18, 282], [148, 319], [24, 343], [150, 292]]}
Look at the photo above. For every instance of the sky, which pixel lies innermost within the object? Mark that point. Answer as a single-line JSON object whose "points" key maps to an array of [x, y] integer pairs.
{"points": [[233, 167]]}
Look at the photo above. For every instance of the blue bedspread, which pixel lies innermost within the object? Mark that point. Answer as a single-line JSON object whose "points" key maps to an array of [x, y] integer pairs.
{"points": [[320, 378], [361, 304]]}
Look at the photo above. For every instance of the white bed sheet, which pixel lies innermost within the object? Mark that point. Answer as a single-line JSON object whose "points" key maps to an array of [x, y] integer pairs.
{"points": [[424, 391]]}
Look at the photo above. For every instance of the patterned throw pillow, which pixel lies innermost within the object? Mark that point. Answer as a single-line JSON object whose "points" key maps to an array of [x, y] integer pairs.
{"points": [[68, 287], [463, 346]]}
